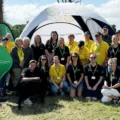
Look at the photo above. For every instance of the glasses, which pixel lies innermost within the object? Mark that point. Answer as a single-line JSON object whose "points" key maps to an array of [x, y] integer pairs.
{"points": [[97, 35], [43, 59], [92, 57]]}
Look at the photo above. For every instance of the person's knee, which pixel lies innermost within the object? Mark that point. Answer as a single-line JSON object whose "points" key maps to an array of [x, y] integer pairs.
{"points": [[54, 90]]}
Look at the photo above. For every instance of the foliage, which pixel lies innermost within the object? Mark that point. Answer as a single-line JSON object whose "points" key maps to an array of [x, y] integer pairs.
{"points": [[17, 29], [1, 14]]}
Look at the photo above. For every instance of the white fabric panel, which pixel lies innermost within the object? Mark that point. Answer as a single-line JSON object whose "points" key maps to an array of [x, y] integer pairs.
{"points": [[62, 12], [93, 27], [30, 26], [63, 30]]}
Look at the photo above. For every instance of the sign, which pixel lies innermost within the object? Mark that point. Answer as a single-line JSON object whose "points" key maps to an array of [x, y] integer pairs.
{"points": [[5, 61]]}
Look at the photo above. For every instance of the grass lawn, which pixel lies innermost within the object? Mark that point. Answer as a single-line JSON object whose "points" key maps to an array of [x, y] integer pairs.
{"points": [[59, 108]]}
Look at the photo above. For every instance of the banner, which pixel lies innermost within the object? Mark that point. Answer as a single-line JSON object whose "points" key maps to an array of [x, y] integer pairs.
{"points": [[5, 61]]}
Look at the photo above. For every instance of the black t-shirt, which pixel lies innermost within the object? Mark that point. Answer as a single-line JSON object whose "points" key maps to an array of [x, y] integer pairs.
{"points": [[62, 53], [45, 72], [77, 75], [50, 46], [113, 78], [38, 51], [93, 74], [114, 52], [27, 73]]}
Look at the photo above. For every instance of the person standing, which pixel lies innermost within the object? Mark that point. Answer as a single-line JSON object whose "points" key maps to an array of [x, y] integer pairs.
{"points": [[18, 57], [62, 51], [83, 53], [10, 44], [100, 48], [105, 35], [28, 51], [88, 41], [51, 45], [114, 50], [72, 43]]}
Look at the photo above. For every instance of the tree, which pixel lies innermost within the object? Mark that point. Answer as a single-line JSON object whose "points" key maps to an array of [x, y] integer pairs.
{"points": [[1, 15]]}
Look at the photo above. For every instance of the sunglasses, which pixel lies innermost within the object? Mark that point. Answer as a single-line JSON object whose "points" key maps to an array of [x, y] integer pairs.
{"points": [[92, 57], [43, 59]]}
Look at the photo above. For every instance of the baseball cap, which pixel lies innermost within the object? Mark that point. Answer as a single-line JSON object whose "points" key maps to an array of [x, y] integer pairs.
{"points": [[81, 43]]}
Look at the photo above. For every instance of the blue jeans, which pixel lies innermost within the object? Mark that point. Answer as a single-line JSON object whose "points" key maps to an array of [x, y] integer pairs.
{"points": [[55, 91], [3, 83]]}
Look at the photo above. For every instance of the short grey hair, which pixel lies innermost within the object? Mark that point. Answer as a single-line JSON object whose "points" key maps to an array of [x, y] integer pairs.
{"points": [[27, 39]]}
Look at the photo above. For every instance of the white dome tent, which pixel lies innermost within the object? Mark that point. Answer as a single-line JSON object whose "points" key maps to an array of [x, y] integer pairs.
{"points": [[65, 18]]}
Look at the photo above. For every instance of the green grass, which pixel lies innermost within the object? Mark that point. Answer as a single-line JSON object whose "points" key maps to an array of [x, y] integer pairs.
{"points": [[59, 108]]}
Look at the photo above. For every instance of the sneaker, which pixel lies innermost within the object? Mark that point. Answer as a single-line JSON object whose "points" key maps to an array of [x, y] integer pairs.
{"points": [[28, 102]]}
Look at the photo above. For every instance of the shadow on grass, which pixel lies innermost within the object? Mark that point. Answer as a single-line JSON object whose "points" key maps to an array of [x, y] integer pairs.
{"points": [[51, 104]]}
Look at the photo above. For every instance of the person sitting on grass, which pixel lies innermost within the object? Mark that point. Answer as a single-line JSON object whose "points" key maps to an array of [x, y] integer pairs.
{"points": [[75, 75], [57, 76], [93, 79], [111, 88]]}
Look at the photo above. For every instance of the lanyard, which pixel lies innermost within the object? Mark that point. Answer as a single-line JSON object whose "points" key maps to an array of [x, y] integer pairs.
{"points": [[57, 71], [74, 70], [62, 51], [112, 76], [20, 53], [93, 72], [44, 69], [115, 53]]}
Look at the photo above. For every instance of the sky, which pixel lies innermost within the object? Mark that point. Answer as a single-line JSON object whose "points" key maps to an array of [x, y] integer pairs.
{"points": [[20, 11]]}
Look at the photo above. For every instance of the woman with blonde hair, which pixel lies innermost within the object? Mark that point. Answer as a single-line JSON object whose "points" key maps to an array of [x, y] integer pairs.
{"points": [[111, 88], [18, 56]]}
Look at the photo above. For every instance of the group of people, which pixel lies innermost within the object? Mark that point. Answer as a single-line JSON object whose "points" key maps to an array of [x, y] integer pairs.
{"points": [[86, 68]]}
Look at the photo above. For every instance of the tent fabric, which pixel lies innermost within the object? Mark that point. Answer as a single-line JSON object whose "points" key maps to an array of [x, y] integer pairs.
{"points": [[65, 18]]}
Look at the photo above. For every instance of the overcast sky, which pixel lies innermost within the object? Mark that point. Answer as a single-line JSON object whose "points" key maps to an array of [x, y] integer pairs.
{"points": [[20, 11]]}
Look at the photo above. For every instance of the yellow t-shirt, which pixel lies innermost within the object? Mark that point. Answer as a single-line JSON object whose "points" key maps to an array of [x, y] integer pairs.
{"points": [[57, 73], [88, 44], [83, 54], [100, 51], [10, 46], [71, 47]]}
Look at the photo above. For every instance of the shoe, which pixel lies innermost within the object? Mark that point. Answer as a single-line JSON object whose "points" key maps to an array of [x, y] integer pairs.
{"points": [[28, 102]]}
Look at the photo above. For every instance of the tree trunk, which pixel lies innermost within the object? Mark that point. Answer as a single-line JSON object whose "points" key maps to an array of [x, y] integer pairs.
{"points": [[1, 15]]}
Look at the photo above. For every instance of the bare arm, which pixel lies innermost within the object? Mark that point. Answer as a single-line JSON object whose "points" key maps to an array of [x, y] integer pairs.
{"points": [[81, 78], [30, 78]]}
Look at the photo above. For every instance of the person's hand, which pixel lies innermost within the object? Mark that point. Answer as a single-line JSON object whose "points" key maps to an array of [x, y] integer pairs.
{"points": [[94, 88], [61, 85], [89, 88], [105, 87], [21, 64], [57, 86]]}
